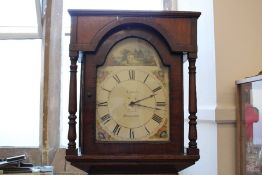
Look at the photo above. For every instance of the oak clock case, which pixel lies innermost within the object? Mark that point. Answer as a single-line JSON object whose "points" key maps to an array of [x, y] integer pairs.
{"points": [[131, 116]]}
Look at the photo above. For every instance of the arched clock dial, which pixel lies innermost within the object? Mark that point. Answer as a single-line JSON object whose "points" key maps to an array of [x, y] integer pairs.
{"points": [[132, 94]]}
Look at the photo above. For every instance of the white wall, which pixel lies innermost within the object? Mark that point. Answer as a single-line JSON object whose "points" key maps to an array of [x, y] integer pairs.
{"points": [[206, 89], [238, 37]]}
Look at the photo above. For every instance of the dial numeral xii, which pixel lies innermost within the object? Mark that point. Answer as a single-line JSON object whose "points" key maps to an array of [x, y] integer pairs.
{"points": [[131, 74]]}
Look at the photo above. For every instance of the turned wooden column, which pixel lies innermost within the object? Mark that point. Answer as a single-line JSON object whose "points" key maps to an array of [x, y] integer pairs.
{"points": [[72, 108], [192, 106]]}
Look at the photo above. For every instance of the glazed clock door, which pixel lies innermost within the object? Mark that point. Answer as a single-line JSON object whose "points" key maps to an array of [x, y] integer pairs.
{"points": [[132, 94], [126, 97]]}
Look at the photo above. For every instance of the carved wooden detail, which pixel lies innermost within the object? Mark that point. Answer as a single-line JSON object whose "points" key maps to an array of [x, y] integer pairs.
{"points": [[72, 108], [192, 106]]}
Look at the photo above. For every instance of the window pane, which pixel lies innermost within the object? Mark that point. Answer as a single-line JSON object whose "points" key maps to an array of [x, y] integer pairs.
{"points": [[18, 16], [20, 92], [90, 4]]}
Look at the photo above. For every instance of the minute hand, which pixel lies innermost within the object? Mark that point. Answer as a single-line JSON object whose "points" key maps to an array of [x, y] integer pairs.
{"points": [[134, 102], [147, 106]]}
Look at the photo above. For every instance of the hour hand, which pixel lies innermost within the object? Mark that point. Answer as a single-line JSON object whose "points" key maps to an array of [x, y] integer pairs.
{"points": [[147, 106], [137, 101]]}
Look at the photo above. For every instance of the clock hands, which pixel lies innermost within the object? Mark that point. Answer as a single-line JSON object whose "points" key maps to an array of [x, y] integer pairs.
{"points": [[146, 106], [134, 102]]}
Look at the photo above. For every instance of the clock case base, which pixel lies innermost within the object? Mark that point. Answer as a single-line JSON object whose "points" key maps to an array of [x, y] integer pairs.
{"points": [[133, 164]]}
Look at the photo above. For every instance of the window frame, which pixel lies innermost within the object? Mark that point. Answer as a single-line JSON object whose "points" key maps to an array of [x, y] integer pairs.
{"points": [[37, 35]]}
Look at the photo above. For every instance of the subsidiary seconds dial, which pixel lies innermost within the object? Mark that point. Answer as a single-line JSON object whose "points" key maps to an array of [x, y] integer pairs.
{"points": [[132, 105]]}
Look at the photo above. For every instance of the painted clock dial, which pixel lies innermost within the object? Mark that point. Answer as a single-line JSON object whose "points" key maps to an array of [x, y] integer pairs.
{"points": [[132, 94]]}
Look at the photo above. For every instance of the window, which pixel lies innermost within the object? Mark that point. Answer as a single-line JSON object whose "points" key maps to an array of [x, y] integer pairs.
{"points": [[20, 19], [20, 92], [20, 72]]}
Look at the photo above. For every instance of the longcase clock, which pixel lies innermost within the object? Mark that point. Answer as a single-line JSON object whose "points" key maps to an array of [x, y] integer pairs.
{"points": [[131, 118]]}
